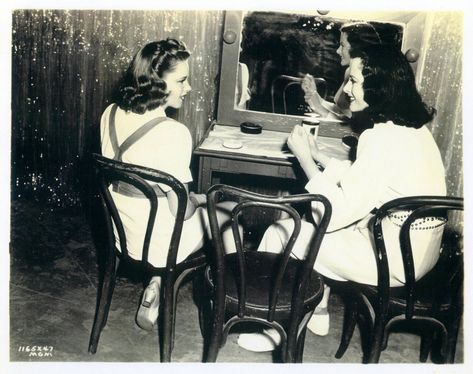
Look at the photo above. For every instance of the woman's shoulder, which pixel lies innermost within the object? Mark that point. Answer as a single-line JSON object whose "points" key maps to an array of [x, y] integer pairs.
{"points": [[380, 135], [171, 131], [105, 118], [388, 128], [107, 110], [172, 125], [392, 129], [388, 133]]}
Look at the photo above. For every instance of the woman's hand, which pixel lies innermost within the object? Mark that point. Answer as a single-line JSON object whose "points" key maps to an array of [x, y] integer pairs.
{"points": [[298, 143], [198, 199], [314, 148], [308, 86], [302, 145], [194, 200], [311, 95], [316, 153]]}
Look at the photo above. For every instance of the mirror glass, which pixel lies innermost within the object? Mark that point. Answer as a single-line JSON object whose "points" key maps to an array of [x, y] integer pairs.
{"points": [[277, 49]]}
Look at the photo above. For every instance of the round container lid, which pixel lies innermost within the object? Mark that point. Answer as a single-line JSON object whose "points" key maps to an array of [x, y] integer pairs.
{"points": [[250, 128]]}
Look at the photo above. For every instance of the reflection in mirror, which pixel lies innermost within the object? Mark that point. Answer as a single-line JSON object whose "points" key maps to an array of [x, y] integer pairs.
{"points": [[278, 49]]}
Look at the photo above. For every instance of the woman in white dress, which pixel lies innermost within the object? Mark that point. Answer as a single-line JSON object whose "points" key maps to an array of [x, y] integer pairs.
{"points": [[135, 130], [396, 157]]}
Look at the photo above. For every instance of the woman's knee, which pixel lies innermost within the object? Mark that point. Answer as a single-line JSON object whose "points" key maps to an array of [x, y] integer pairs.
{"points": [[277, 235], [223, 212]]}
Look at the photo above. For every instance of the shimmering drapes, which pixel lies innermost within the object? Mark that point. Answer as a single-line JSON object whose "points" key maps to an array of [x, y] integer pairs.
{"points": [[440, 83], [64, 66]]}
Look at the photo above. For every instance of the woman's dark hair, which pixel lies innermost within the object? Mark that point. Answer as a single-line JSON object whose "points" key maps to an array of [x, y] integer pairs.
{"points": [[389, 88], [360, 35], [142, 87]]}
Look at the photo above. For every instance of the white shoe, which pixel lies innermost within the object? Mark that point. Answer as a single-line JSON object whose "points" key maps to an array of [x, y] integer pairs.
{"points": [[149, 308], [319, 323], [265, 341]]}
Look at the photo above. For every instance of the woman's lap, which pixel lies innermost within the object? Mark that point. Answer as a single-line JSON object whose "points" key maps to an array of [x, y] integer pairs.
{"points": [[345, 254], [193, 235]]}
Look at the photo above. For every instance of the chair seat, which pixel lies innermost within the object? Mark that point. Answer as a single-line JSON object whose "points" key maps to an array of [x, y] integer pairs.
{"points": [[397, 302], [198, 258], [261, 267], [427, 288], [194, 260], [429, 305]]}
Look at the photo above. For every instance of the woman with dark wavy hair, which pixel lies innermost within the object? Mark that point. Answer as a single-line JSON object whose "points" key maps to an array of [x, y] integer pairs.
{"points": [[135, 130], [389, 88], [396, 157], [353, 35]]}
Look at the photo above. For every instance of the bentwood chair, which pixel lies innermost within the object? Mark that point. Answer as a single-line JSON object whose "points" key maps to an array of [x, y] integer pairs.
{"points": [[110, 172], [282, 83], [271, 289], [430, 306]]}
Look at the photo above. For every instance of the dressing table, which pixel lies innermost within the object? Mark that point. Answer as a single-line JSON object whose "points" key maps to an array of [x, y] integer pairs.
{"points": [[257, 64], [262, 154]]}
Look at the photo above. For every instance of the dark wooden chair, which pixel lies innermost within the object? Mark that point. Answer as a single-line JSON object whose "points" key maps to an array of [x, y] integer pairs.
{"points": [[108, 172], [430, 306], [272, 289]]}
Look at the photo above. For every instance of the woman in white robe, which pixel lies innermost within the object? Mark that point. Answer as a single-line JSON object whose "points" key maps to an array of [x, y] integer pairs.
{"points": [[396, 157]]}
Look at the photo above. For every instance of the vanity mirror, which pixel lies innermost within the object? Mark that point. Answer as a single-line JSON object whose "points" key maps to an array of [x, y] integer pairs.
{"points": [[266, 53]]}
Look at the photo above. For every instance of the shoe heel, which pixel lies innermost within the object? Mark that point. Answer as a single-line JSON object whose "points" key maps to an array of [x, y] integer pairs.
{"points": [[148, 298]]}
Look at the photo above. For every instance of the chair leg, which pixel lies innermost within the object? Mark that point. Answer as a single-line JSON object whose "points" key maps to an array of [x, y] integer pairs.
{"points": [[214, 344], [176, 288], [425, 346], [384, 343], [103, 300], [167, 321], [216, 330], [349, 323], [290, 354], [300, 346], [109, 300], [376, 342], [452, 336], [204, 305]]}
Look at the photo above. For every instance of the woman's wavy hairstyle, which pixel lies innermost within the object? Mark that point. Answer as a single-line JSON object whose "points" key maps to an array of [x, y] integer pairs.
{"points": [[142, 87], [360, 35], [390, 89]]}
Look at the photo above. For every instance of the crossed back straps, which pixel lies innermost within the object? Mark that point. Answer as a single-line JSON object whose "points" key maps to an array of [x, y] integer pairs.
{"points": [[133, 138], [118, 150]]}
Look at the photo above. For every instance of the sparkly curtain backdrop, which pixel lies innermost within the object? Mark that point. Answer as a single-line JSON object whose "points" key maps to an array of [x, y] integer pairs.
{"points": [[440, 84], [64, 67]]}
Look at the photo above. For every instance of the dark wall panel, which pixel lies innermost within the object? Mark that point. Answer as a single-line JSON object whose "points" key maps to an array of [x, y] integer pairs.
{"points": [[65, 64]]}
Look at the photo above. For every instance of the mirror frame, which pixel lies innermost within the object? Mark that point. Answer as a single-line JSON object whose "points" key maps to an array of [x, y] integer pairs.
{"points": [[229, 114]]}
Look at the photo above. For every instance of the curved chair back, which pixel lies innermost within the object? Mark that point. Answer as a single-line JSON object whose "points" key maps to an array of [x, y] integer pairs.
{"points": [[288, 81], [141, 182], [111, 172], [421, 207], [432, 304], [273, 287], [248, 200]]}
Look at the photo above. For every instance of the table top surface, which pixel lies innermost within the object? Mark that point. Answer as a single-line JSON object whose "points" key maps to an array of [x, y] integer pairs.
{"points": [[229, 141]]}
